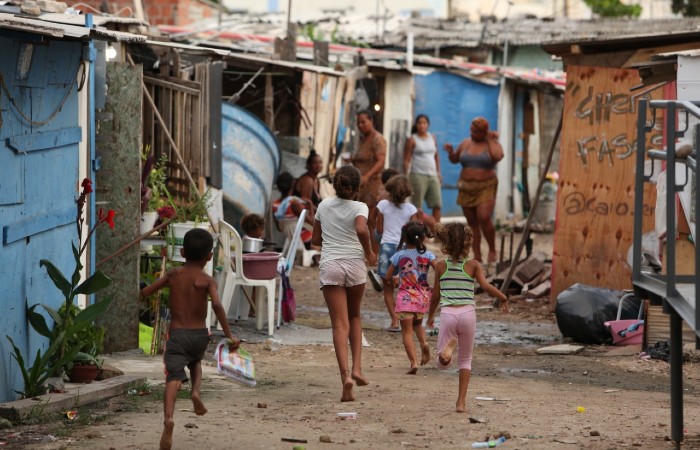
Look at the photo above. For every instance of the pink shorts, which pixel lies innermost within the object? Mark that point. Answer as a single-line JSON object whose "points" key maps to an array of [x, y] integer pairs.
{"points": [[342, 272]]}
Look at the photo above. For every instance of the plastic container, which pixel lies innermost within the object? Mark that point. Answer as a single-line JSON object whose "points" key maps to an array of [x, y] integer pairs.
{"points": [[260, 266], [490, 443]]}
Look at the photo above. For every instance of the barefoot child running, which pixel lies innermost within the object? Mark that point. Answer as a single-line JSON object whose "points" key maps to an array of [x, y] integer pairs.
{"points": [[188, 336], [340, 228], [392, 214], [453, 291], [413, 297]]}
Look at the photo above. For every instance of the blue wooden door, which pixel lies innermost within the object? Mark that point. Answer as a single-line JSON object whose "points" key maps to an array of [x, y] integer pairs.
{"points": [[451, 102], [39, 138]]}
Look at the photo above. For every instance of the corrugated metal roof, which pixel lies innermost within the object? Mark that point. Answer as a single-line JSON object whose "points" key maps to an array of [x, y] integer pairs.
{"points": [[64, 31], [267, 60], [99, 21], [431, 33]]}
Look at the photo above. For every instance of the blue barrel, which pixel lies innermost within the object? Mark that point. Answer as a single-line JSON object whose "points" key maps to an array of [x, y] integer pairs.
{"points": [[250, 161]]}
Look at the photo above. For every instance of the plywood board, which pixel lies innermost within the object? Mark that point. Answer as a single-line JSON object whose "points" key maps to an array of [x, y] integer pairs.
{"points": [[595, 201], [307, 98]]}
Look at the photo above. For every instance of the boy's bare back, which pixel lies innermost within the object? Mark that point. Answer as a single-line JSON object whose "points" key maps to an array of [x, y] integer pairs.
{"points": [[189, 288]]}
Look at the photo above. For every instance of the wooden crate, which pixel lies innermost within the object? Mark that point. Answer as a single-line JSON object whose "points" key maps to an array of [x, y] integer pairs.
{"points": [[657, 327]]}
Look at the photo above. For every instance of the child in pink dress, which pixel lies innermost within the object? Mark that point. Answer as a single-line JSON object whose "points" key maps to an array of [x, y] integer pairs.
{"points": [[413, 296]]}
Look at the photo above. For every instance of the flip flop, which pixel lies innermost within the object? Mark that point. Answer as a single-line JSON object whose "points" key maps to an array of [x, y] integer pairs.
{"points": [[376, 280], [393, 329]]}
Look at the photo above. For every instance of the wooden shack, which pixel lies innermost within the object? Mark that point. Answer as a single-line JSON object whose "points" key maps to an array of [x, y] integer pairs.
{"points": [[595, 215]]}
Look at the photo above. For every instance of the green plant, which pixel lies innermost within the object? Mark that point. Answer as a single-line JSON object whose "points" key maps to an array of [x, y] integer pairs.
{"points": [[195, 209], [71, 330]]}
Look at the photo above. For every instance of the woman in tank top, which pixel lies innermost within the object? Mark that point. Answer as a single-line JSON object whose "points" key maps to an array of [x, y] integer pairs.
{"points": [[422, 159], [477, 183]]}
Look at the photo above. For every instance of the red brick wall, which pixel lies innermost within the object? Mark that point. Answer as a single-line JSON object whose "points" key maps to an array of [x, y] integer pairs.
{"points": [[159, 12]]}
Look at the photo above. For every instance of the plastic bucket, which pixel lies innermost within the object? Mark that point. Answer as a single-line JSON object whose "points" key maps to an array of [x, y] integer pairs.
{"points": [[260, 266]]}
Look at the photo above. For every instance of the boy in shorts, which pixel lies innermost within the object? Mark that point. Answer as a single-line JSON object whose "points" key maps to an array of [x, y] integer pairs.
{"points": [[188, 336]]}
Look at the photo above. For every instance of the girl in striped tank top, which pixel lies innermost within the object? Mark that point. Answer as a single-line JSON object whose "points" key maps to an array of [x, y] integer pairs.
{"points": [[453, 292]]}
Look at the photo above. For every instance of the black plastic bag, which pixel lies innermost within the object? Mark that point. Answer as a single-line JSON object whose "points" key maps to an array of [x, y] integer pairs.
{"points": [[582, 311]]}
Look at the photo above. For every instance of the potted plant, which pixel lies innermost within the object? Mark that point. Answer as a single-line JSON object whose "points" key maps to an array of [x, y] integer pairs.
{"points": [[187, 215], [153, 189], [86, 363]]}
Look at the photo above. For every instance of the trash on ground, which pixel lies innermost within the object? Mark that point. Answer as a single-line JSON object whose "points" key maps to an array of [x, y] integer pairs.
{"points": [[580, 409], [294, 440], [347, 415], [490, 443], [71, 414], [477, 420], [560, 349]]}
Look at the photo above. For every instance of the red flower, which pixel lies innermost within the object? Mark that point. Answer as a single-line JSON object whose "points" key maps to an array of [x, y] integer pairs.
{"points": [[86, 185], [166, 212], [106, 217]]}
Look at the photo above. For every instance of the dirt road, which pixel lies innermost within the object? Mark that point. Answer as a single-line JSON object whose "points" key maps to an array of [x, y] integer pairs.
{"points": [[537, 398]]}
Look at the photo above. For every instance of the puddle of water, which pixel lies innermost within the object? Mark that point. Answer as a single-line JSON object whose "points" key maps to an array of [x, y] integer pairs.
{"points": [[487, 332]]}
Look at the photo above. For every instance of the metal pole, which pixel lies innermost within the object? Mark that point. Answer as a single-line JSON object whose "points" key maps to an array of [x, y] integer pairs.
{"points": [[531, 216], [94, 162], [676, 377]]}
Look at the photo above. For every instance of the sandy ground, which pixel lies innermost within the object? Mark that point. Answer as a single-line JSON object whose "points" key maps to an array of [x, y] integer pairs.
{"points": [[537, 397]]}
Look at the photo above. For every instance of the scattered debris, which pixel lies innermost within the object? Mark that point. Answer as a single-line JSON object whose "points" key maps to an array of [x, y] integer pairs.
{"points": [[262, 405], [610, 391], [477, 420], [325, 439], [595, 433], [560, 349], [294, 440], [398, 431], [347, 415], [566, 441], [493, 399], [191, 425]]}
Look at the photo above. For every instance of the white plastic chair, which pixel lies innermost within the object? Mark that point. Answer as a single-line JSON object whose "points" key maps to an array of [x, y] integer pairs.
{"points": [[292, 231], [288, 260], [235, 278]]}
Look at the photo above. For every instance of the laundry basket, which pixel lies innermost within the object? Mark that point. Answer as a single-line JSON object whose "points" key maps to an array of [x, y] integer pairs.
{"points": [[629, 331]]}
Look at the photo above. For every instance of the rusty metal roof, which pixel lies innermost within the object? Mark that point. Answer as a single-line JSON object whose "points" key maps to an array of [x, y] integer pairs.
{"points": [[64, 31]]}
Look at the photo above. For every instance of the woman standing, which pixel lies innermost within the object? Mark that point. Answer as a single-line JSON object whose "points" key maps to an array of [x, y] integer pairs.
{"points": [[421, 156], [478, 183], [369, 160], [307, 185]]}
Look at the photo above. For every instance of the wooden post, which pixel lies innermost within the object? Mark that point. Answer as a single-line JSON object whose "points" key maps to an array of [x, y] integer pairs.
{"points": [[269, 103]]}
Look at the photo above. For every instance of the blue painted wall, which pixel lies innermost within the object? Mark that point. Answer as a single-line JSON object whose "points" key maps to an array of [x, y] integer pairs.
{"points": [[37, 188], [452, 102]]}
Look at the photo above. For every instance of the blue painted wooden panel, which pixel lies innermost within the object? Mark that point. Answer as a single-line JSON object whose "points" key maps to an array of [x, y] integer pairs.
{"points": [[40, 181], [452, 102], [48, 140]]}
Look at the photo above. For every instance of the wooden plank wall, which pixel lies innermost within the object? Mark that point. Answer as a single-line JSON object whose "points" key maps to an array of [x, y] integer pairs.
{"points": [[596, 186], [184, 106]]}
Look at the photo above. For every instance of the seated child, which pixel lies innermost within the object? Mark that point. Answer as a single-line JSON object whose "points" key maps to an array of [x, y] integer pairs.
{"points": [[253, 225], [289, 206]]}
